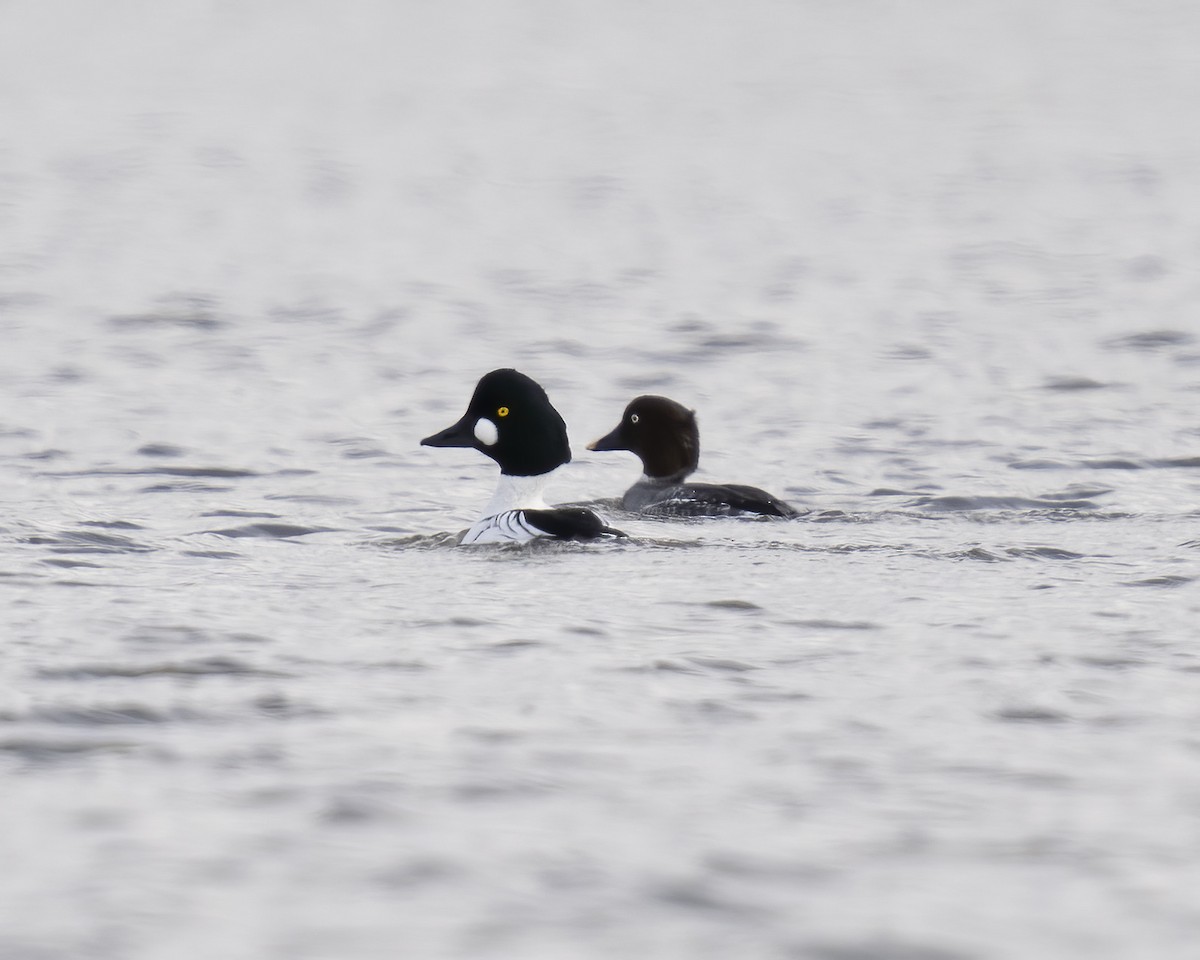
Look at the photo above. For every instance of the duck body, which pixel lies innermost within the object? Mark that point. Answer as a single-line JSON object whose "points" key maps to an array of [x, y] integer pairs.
{"points": [[518, 513]]}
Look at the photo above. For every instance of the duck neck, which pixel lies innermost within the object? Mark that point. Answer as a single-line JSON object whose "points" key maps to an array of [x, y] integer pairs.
{"points": [[666, 481], [517, 493]]}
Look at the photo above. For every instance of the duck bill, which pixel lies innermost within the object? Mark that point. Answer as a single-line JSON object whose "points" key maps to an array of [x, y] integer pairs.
{"points": [[460, 434], [610, 441]]}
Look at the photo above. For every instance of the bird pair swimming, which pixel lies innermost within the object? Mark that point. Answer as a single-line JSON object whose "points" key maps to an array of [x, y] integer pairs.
{"points": [[511, 420]]}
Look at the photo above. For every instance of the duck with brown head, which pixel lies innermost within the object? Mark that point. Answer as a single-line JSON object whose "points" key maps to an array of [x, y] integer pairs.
{"points": [[664, 436]]}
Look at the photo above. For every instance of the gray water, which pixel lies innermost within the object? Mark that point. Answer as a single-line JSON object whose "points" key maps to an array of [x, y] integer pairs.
{"points": [[927, 270]]}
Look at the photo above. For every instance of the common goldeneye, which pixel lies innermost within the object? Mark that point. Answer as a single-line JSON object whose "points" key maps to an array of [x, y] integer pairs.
{"points": [[511, 420], [664, 436]]}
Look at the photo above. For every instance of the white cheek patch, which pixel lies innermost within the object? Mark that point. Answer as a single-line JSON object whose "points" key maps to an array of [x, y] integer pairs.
{"points": [[486, 432]]}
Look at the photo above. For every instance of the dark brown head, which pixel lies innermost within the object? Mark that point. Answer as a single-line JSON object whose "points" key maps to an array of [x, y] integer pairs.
{"points": [[662, 433]]}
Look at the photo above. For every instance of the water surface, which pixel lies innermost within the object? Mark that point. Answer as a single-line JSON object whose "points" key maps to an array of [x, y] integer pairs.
{"points": [[925, 271]]}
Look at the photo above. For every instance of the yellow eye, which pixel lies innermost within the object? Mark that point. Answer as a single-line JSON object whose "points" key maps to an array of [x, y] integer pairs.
{"points": [[502, 412]]}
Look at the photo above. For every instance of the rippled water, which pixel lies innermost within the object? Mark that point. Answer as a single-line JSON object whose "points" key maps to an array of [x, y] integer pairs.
{"points": [[928, 271]]}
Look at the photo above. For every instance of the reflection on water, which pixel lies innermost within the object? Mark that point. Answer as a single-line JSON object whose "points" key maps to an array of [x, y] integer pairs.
{"points": [[925, 272]]}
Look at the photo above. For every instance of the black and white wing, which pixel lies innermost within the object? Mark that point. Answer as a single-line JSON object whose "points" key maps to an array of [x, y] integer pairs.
{"points": [[556, 523]]}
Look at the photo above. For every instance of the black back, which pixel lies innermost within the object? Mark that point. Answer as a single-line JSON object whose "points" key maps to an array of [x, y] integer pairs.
{"points": [[705, 500], [570, 523]]}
